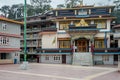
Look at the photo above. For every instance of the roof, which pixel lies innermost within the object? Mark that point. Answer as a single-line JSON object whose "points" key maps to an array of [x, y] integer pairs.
{"points": [[10, 20], [87, 7], [116, 26], [8, 50]]}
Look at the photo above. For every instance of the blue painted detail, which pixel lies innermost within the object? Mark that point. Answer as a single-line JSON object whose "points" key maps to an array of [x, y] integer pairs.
{"points": [[81, 16], [54, 53], [107, 53], [84, 29]]}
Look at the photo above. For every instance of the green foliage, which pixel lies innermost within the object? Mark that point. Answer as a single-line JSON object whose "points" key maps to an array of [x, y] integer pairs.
{"points": [[17, 10], [5, 10], [41, 6], [60, 6], [70, 3], [116, 11]]}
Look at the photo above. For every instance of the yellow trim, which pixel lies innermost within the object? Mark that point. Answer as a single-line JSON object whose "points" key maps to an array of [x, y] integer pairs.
{"points": [[10, 20], [84, 19], [64, 38]]}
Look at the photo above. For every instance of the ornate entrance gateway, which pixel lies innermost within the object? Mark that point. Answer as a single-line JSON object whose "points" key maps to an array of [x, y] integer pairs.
{"points": [[82, 45]]}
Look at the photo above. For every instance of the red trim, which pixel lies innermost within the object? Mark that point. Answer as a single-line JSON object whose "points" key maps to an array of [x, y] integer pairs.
{"points": [[9, 49], [116, 26], [10, 35]]}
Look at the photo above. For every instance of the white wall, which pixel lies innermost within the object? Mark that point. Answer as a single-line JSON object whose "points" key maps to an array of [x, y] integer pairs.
{"points": [[47, 41], [82, 58], [51, 59], [99, 58], [68, 59], [11, 28], [13, 43]]}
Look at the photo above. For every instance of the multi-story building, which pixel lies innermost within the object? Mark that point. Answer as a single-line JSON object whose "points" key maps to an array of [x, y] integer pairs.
{"points": [[34, 26], [9, 41], [116, 42], [81, 36]]}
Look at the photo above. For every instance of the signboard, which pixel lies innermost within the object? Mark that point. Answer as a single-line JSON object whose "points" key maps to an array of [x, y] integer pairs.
{"points": [[96, 11], [66, 13]]}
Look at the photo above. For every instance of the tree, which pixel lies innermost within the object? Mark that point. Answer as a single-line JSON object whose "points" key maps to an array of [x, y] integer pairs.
{"points": [[5, 10], [116, 11], [41, 6], [60, 6], [72, 3], [16, 11]]}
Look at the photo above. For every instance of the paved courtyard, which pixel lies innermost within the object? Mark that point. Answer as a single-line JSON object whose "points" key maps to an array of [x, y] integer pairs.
{"points": [[57, 72]]}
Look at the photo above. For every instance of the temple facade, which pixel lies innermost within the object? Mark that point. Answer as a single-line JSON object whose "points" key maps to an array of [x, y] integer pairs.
{"points": [[81, 36]]}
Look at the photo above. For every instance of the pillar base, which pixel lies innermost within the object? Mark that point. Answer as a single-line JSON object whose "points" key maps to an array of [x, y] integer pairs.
{"points": [[24, 65]]}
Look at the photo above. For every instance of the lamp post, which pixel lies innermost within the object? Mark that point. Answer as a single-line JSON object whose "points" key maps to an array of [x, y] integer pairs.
{"points": [[25, 48], [24, 66]]}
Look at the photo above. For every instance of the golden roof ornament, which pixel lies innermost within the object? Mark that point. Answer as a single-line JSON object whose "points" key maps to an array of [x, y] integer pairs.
{"points": [[82, 23]]}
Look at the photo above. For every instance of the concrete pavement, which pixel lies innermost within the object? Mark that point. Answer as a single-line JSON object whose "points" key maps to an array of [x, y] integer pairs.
{"points": [[57, 72]]}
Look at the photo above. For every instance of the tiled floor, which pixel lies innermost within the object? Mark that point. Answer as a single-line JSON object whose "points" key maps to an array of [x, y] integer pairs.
{"points": [[57, 72]]}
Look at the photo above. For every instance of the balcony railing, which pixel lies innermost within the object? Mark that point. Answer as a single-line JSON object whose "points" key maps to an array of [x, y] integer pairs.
{"points": [[107, 50], [55, 50], [49, 29]]}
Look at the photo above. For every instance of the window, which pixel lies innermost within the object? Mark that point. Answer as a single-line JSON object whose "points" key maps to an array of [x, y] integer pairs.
{"points": [[4, 25], [105, 58], [46, 57], [99, 43], [64, 25], [101, 24], [56, 57], [3, 56], [4, 40], [64, 44]]}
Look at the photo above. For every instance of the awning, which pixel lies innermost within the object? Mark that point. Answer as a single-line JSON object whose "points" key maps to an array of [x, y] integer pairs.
{"points": [[8, 50]]}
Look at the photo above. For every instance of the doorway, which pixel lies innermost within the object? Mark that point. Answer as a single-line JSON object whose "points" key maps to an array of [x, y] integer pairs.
{"points": [[63, 59], [82, 45]]}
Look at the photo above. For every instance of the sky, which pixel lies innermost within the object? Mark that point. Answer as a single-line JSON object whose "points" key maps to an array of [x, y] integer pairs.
{"points": [[55, 2]]}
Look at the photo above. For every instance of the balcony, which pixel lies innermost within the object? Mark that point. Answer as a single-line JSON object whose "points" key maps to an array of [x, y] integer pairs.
{"points": [[31, 30], [49, 29], [107, 51], [55, 51]]}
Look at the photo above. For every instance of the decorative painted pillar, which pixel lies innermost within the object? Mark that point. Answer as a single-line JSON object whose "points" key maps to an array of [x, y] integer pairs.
{"points": [[57, 25], [108, 24]]}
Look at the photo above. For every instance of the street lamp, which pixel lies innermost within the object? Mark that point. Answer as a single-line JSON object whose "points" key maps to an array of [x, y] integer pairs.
{"points": [[24, 66], [25, 51]]}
